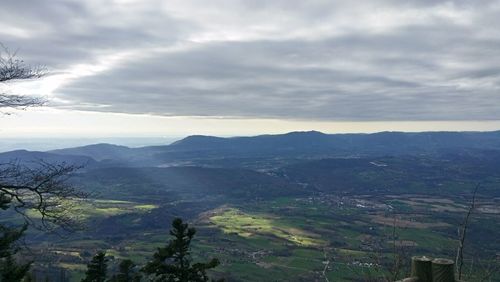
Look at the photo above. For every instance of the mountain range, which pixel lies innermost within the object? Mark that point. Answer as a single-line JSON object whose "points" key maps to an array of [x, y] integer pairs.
{"points": [[293, 145]]}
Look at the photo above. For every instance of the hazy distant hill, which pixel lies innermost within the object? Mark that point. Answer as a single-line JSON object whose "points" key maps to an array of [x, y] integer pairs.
{"points": [[346, 162], [217, 151], [283, 143], [315, 143], [302, 142], [98, 152], [34, 157]]}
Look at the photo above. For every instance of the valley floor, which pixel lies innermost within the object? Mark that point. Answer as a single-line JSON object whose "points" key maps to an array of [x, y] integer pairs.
{"points": [[315, 238]]}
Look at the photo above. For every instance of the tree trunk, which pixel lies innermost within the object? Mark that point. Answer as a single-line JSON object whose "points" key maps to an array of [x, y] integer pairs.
{"points": [[443, 270], [421, 267]]}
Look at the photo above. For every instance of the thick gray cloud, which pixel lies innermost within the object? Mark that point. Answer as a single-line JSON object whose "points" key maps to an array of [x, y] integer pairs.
{"points": [[327, 60]]}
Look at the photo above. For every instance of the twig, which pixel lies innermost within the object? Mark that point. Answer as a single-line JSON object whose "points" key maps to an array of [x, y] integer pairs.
{"points": [[463, 232]]}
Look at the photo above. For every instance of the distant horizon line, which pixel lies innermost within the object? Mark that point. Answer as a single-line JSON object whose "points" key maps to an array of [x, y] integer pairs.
{"points": [[152, 136], [44, 144]]}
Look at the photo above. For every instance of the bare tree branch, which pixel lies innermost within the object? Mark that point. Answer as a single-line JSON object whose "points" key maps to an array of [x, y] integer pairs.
{"points": [[462, 232], [12, 69], [41, 194], [20, 101], [390, 261], [492, 269]]}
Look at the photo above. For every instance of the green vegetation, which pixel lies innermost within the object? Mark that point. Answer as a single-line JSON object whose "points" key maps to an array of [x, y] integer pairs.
{"points": [[10, 269], [126, 272], [105, 208], [97, 268], [246, 225], [88, 209], [171, 263], [259, 240], [336, 218], [174, 263]]}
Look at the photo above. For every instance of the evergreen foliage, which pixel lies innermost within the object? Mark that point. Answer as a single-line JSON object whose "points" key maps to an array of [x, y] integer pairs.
{"points": [[173, 262], [10, 270], [126, 273], [97, 268]]}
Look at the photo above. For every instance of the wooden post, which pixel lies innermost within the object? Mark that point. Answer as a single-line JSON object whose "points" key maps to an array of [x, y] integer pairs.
{"points": [[421, 267], [443, 270]]}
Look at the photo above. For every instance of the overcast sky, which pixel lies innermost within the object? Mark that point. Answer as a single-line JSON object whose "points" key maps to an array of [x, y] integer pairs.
{"points": [[233, 67]]}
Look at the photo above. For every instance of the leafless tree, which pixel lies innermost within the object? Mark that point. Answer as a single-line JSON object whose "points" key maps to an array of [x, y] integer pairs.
{"points": [[41, 193], [35, 187], [399, 253], [14, 69], [390, 261], [462, 233], [490, 269]]}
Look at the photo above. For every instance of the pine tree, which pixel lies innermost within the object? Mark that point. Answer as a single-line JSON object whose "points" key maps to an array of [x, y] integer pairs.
{"points": [[126, 273], [10, 270], [173, 262], [97, 268]]}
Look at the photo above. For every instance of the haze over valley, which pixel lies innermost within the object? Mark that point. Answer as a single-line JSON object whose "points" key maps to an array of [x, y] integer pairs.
{"points": [[281, 205], [249, 140]]}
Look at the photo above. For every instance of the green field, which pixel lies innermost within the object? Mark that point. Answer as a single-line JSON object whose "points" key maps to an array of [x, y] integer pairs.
{"points": [[243, 224], [292, 239]]}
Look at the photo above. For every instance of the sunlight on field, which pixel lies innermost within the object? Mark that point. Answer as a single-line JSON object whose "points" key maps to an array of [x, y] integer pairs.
{"points": [[246, 225], [102, 208], [73, 266], [145, 207], [107, 201]]}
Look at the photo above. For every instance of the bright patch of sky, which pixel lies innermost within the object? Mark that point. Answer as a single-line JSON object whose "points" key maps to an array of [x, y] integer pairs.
{"points": [[174, 68]]}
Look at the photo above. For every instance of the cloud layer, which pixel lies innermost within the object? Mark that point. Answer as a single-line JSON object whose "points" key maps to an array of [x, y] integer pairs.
{"points": [[311, 60]]}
